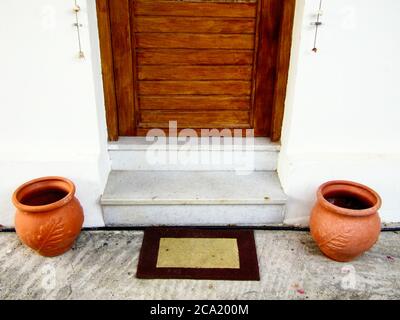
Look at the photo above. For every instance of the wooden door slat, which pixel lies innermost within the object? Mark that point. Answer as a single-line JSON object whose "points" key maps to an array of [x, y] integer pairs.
{"points": [[198, 9], [194, 41], [195, 119], [194, 72], [194, 57], [194, 25], [237, 88], [190, 102], [240, 131]]}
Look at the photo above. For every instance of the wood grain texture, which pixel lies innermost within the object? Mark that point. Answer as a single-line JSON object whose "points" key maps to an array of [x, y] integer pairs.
{"points": [[255, 59], [223, 119], [136, 106], [202, 9], [146, 24], [194, 72], [194, 103], [194, 41], [282, 73], [107, 68], [266, 65], [194, 57], [123, 66], [236, 88]]}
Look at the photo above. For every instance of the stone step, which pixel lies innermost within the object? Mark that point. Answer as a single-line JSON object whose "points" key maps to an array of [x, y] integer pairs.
{"points": [[193, 198], [194, 154]]}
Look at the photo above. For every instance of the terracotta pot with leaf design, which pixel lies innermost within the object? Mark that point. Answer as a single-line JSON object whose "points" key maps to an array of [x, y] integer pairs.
{"points": [[345, 221], [49, 218]]}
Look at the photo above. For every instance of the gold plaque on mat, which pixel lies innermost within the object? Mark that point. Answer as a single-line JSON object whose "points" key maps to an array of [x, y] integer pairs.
{"points": [[198, 253]]}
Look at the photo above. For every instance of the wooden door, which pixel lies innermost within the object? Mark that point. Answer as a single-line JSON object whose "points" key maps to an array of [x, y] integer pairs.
{"points": [[202, 63]]}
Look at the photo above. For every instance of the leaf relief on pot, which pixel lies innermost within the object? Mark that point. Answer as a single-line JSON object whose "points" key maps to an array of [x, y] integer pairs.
{"points": [[52, 236], [337, 242]]}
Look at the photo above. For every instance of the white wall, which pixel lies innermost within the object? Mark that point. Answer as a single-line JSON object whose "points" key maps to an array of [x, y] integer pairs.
{"points": [[341, 120], [342, 117], [51, 110]]}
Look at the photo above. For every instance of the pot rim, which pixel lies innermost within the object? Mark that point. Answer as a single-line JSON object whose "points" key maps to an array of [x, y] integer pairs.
{"points": [[47, 207], [344, 211]]}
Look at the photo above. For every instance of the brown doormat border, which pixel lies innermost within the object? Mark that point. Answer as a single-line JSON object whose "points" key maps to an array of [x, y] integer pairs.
{"points": [[248, 271]]}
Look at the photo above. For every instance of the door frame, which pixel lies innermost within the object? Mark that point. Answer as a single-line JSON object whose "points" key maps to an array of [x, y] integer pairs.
{"points": [[118, 121]]}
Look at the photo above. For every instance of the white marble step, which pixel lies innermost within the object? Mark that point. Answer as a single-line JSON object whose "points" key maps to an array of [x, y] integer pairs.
{"points": [[136, 153], [196, 198]]}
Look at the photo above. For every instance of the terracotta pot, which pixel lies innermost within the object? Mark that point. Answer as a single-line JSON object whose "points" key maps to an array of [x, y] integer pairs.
{"points": [[344, 221], [49, 218]]}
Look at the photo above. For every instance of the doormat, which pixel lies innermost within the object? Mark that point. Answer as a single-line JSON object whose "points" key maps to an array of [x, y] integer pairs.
{"points": [[172, 253]]}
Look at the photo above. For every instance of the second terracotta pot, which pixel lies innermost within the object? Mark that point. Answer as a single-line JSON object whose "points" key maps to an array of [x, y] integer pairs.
{"points": [[344, 221], [49, 218]]}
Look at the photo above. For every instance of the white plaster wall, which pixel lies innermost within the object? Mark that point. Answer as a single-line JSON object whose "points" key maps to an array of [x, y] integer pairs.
{"points": [[341, 120], [342, 117], [51, 109]]}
